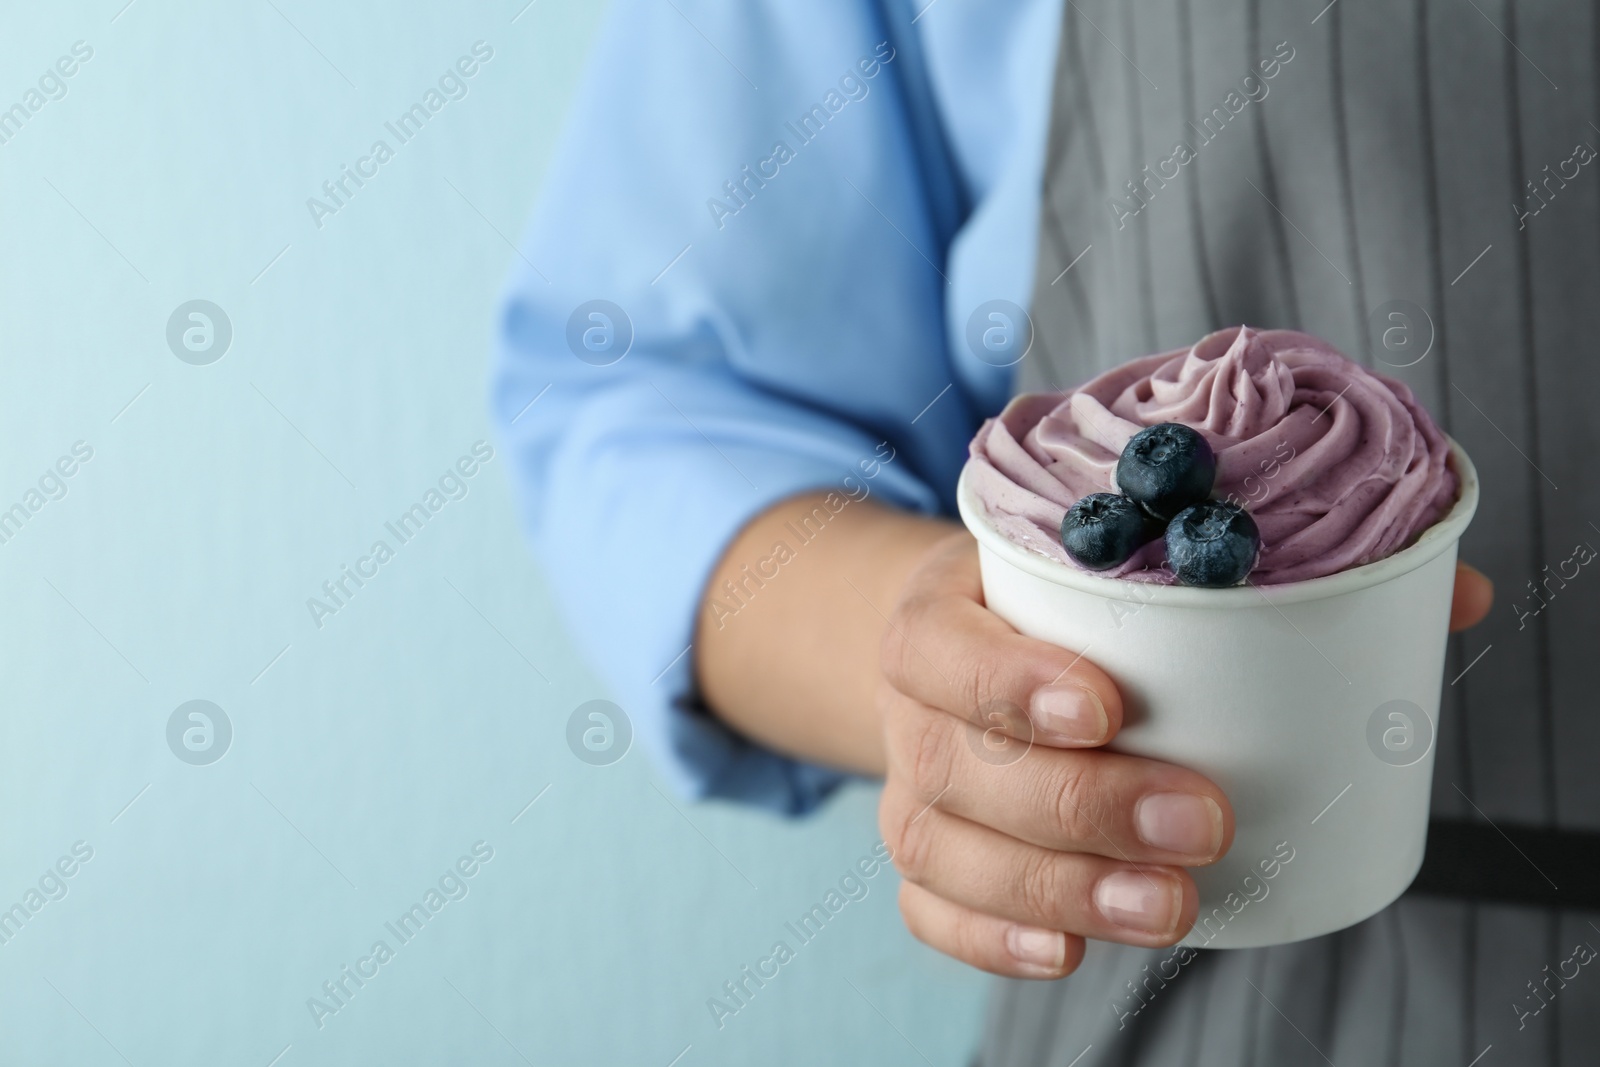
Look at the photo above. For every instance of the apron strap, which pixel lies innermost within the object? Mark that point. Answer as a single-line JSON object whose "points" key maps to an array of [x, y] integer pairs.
{"points": [[1508, 864]]}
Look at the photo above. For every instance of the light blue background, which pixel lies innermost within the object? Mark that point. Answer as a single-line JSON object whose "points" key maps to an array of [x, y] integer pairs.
{"points": [[376, 750]]}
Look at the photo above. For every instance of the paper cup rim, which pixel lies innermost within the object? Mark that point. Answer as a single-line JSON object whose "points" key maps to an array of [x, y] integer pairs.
{"points": [[1432, 541]]}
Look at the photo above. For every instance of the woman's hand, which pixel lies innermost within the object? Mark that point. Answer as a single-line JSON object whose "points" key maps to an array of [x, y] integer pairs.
{"points": [[1015, 851], [872, 650], [1018, 838]]}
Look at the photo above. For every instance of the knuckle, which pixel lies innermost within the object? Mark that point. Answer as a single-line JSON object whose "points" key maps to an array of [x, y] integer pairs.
{"points": [[980, 681], [1073, 797], [931, 756], [898, 648], [909, 839], [1040, 889], [914, 856]]}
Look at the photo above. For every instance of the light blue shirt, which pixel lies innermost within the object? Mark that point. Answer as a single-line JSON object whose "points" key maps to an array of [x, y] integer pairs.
{"points": [[797, 209]]}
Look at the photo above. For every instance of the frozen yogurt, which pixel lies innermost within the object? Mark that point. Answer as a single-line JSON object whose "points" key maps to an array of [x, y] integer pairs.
{"points": [[1337, 465]]}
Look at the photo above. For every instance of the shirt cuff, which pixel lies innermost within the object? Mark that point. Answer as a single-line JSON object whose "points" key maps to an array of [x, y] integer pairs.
{"points": [[651, 491]]}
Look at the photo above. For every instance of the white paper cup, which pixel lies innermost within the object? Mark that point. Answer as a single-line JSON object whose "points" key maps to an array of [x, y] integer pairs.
{"points": [[1314, 705]]}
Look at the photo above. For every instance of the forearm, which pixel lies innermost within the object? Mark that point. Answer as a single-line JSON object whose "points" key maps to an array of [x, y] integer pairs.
{"points": [[791, 623]]}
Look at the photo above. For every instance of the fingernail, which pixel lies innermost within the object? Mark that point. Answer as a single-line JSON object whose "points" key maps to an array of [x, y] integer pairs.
{"points": [[1140, 901], [1179, 822], [1069, 712], [1036, 949]]}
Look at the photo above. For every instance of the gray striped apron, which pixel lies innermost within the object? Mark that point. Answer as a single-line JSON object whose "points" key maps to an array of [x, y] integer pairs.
{"points": [[1427, 158]]}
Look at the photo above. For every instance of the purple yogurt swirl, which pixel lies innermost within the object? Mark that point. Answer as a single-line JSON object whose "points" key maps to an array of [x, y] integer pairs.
{"points": [[1337, 465]]}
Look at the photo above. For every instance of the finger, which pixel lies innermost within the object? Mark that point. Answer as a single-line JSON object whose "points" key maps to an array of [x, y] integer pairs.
{"points": [[1474, 594], [1111, 804], [946, 649], [1079, 893], [1011, 950]]}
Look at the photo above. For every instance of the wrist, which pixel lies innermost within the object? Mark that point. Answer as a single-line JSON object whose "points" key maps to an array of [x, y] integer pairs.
{"points": [[796, 668]]}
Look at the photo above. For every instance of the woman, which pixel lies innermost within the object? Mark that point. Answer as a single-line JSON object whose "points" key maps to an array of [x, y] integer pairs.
{"points": [[793, 220]]}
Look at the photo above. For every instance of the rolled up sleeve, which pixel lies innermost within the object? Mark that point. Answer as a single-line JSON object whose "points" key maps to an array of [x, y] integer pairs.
{"points": [[702, 325]]}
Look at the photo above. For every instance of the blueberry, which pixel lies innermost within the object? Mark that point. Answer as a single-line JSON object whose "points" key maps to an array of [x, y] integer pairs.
{"points": [[1165, 468], [1103, 529], [1212, 544]]}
